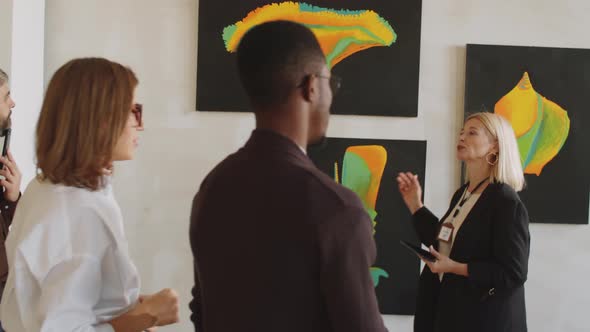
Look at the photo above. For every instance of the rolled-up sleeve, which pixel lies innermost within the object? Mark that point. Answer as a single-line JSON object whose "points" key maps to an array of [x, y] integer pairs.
{"points": [[69, 263], [68, 295]]}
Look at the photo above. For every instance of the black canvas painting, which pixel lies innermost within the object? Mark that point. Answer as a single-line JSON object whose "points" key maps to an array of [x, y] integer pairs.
{"points": [[542, 91], [369, 167], [373, 45]]}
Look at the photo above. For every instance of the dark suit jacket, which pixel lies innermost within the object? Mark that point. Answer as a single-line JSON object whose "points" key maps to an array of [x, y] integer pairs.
{"points": [[279, 246], [494, 242]]}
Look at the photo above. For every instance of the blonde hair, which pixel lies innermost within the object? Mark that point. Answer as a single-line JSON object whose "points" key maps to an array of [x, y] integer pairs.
{"points": [[508, 168], [85, 110]]}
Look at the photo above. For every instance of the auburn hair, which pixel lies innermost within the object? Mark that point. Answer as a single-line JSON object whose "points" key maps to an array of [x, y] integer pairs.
{"points": [[85, 111]]}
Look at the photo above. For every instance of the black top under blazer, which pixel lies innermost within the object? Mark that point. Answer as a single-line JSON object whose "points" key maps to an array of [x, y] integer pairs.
{"points": [[494, 242]]}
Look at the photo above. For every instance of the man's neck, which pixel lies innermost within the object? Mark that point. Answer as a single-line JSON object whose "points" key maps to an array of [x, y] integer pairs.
{"points": [[285, 124]]}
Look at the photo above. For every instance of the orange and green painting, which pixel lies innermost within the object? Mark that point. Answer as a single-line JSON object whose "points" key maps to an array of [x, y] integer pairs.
{"points": [[362, 170], [340, 32], [541, 125]]}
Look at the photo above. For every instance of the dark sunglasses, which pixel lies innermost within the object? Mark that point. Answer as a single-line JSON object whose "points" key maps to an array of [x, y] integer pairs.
{"points": [[335, 81], [137, 111]]}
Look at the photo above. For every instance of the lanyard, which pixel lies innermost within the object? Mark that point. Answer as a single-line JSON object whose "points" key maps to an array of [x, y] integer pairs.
{"points": [[465, 198]]}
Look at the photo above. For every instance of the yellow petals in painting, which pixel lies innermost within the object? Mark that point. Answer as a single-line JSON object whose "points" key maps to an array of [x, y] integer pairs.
{"points": [[541, 126], [340, 33]]}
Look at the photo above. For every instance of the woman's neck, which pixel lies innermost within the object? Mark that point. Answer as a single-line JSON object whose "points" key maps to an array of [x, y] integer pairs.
{"points": [[476, 173]]}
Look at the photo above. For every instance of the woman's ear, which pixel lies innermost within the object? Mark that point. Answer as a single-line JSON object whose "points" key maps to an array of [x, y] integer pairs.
{"points": [[496, 147]]}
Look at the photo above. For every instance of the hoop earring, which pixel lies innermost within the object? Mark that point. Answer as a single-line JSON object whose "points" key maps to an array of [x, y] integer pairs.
{"points": [[494, 161]]}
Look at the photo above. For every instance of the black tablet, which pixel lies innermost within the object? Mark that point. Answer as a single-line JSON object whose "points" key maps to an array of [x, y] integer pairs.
{"points": [[426, 255]]}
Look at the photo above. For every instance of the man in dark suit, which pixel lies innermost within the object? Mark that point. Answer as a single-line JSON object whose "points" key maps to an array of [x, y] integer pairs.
{"points": [[277, 244]]}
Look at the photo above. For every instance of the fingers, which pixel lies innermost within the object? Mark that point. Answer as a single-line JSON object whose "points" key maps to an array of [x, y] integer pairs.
{"points": [[11, 178], [407, 178], [435, 253], [170, 307], [414, 180], [13, 162], [401, 186], [430, 264], [407, 181], [8, 165], [403, 180]]}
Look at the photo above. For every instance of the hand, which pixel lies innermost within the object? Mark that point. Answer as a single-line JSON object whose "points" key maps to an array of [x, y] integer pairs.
{"points": [[142, 298], [444, 264], [12, 178], [411, 191], [163, 306]]}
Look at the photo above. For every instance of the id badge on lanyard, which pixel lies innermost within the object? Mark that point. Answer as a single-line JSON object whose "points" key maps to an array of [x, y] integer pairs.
{"points": [[446, 232]]}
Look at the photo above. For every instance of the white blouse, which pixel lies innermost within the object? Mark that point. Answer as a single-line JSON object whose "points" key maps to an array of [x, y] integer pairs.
{"points": [[69, 267]]}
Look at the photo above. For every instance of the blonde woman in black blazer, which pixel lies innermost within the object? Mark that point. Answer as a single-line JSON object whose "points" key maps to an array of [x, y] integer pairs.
{"points": [[481, 243]]}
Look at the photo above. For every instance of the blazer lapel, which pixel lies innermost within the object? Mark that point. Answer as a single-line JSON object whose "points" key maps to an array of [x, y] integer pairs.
{"points": [[472, 217]]}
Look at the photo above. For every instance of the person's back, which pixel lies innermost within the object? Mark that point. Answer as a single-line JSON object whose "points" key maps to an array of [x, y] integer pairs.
{"points": [[272, 238], [278, 245]]}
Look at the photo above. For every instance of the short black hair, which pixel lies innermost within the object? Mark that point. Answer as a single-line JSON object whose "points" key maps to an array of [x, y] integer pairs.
{"points": [[274, 58]]}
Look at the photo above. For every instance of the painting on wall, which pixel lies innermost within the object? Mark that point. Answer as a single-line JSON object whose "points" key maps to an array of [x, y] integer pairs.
{"points": [[542, 92], [373, 45], [369, 168]]}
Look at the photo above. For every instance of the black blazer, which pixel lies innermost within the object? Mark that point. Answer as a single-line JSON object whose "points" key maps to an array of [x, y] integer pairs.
{"points": [[279, 246], [494, 241]]}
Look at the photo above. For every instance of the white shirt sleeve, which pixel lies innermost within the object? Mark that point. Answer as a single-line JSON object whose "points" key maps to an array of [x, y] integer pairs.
{"points": [[69, 266], [68, 296]]}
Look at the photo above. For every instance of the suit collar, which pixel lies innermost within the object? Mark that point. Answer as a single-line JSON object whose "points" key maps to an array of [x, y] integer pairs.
{"points": [[270, 142]]}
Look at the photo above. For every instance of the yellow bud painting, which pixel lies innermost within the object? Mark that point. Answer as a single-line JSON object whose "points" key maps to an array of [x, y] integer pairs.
{"points": [[541, 125]]}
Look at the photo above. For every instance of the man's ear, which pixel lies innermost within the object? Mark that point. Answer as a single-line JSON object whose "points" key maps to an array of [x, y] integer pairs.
{"points": [[308, 88]]}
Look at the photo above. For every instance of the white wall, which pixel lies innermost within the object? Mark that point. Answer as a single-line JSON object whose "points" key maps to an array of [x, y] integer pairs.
{"points": [[5, 34], [158, 39], [26, 81]]}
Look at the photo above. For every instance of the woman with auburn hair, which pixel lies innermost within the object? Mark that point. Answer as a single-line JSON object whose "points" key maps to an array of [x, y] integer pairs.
{"points": [[69, 266], [481, 244]]}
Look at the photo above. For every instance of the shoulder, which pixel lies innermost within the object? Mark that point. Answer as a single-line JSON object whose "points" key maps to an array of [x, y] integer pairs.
{"points": [[328, 192], [224, 168], [504, 193], [335, 209], [64, 222], [505, 201]]}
